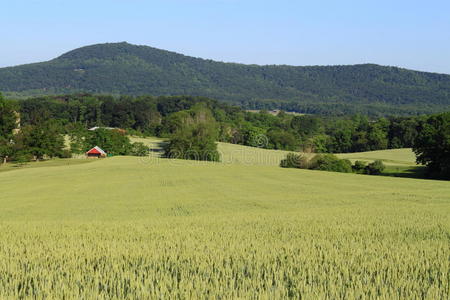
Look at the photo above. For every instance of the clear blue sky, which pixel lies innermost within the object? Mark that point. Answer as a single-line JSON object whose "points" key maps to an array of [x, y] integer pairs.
{"points": [[412, 34]]}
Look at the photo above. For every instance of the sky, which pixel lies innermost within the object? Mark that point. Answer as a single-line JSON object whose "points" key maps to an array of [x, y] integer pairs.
{"points": [[410, 34]]}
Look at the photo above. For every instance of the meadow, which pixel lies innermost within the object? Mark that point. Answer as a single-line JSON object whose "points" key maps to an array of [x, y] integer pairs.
{"points": [[151, 228], [239, 154]]}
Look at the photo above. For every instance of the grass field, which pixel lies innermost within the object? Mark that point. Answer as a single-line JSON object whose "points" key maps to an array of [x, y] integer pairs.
{"points": [[46, 163], [238, 154], [151, 228], [392, 157]]}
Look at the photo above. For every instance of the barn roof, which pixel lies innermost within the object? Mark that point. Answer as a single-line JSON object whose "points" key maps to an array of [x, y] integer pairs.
{"points": [[96, 150]]}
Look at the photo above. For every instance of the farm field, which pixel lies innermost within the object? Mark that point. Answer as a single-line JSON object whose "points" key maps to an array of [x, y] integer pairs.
{"points": [[238, 154], [47, 163], [391, 157], [136, 228]]}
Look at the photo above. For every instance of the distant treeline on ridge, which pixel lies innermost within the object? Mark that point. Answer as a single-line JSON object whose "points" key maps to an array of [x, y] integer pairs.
{"points": [[163, 116], [125, 69]]}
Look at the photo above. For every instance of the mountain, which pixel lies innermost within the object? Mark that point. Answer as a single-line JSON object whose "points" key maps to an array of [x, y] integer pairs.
{"points": [[122, 68]]}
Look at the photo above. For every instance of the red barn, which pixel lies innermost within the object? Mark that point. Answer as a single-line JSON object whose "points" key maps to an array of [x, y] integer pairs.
{"points": [[96, 152]]}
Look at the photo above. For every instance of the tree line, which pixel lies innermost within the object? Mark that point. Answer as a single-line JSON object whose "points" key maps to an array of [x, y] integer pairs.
{"points": [[330, 162], [198, 122], [162, 116], [42, 136]]}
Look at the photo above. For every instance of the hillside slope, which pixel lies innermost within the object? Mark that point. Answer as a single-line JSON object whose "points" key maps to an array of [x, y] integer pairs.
{"points": [[132, 187], [122, 68], [252, 156], [137, 228]]}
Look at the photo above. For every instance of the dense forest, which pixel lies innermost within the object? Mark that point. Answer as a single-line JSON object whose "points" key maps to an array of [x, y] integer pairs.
{"points": [[163, 116], [124, 69]]}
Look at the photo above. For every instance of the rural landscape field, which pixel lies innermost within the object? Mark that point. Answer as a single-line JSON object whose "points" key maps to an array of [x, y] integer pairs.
{"points": [[147, 227], [225, 150]]}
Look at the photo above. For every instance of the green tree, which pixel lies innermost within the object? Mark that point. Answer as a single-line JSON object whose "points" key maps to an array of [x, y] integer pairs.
{"points": [[306, 125], [112, 141], [139, 149], [283, 140], [432, 145], [359, 167], [78, 137], [293, 160], [40, 140], [375, 168], [8, 122], [377, 135], [196, 139], [330, 162], [195, 142]]}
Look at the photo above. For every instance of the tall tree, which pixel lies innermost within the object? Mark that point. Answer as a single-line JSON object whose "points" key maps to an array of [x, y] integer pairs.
{"points": [[8, 122], [42, 139], [196, 140], [432, 145]]}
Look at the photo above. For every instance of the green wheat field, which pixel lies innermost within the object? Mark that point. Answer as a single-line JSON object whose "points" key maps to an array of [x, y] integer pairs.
{"points": [[152, 228]]}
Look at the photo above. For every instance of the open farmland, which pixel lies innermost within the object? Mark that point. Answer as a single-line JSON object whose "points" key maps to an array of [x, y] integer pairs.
{"points": [[238, 154], [392, 157], [140, 228]]}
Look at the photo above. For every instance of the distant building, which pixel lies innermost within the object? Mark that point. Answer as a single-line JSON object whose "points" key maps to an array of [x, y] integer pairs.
{"points": [[122, 131], [96, 152], [97, 127]]}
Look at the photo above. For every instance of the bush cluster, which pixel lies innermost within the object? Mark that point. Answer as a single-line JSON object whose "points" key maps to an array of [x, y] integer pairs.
{"points": [[330, 162]]}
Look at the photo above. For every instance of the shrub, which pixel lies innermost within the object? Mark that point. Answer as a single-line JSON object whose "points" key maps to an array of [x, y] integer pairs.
{"points": [[359, 166], [21, 158], [139, 149], [375, 168], [330, 162], [293, 160]]}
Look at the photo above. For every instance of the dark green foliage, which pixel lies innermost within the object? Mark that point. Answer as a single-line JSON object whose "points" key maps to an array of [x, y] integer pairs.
{"points": [[163, 116], [7, 118], [402, 132], [195, 142], [7, 125], [307, 125], [432, 145], [78, 137], [41, 140], [21, 158], [293, 160], [196, 138], [179, 118], [329, 162], [127, 69], [375, 168], [139, 149], [279, 139], [111, 141], [359, 167], [322, 162]]}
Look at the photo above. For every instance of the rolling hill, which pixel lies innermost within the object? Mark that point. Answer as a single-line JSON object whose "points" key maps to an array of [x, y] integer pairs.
{"points": [[137, 228], [251, 156], [122, 68]]}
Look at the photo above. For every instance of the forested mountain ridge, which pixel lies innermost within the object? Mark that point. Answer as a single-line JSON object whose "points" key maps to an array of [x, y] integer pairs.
{"points": [[122, 68]]}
